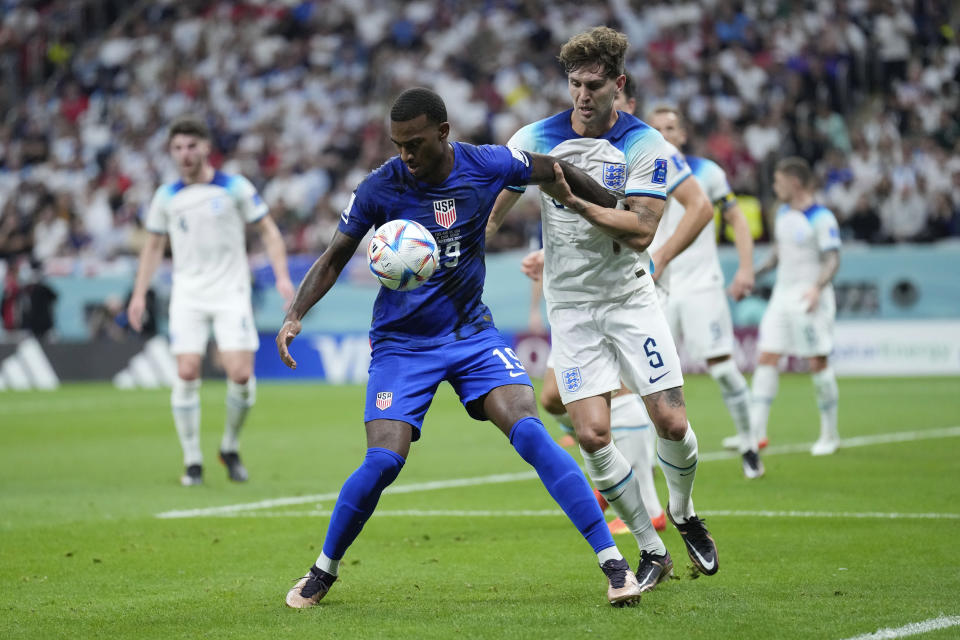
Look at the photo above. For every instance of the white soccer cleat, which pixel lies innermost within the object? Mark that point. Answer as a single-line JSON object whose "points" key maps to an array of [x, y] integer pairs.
{"points": [[825, 446], [622, 587]]}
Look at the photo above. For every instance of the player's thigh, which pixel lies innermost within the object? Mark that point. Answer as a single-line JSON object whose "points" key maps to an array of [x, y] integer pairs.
{"points": [[645, 351], [481, 364], [234, 328], [812, 332], [238, 365], [394, 435], [707, 328], [402, 384], [189, 329], [585, 364], [775, 333]]}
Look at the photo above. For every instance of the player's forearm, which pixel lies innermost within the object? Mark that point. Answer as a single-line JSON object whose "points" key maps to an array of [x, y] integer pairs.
{"points": [[634, 228], [318, 281], [150, 257], [276, 253], [768, 265], [504, 203], [585, 187], [742, 238], [829, 264], [694, 219]]}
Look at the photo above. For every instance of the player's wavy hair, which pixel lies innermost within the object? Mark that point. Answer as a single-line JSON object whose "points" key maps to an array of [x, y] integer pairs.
{"points": [[416, 102], [601, 48], [189, 126], [798, 168]]}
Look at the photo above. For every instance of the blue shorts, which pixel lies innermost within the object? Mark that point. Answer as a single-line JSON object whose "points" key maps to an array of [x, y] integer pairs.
{"points": [[403, 381]]}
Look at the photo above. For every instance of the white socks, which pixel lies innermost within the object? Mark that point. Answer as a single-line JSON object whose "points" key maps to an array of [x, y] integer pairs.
{"points": [[678, 459], [329, 565], [612, 475], [240, 397], [825, 385], [765, 381], [630, 426], [185, 401], [736, 395]]}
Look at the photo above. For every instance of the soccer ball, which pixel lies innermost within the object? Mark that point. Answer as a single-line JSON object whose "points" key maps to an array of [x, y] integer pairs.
{"points": [[403, 254]]}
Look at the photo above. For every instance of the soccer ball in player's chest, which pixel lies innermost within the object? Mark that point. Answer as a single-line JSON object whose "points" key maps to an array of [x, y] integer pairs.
{"points": [[403, 254]]}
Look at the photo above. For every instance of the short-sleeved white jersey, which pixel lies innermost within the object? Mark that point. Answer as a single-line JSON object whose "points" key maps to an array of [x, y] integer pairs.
{"points": [[698, 266], [581, 263], [207, 228], [801, 236]]}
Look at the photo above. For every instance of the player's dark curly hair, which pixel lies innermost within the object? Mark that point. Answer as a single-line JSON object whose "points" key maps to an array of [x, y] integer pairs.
{"points": [[189, 126], [601, 48], [416, 102]]}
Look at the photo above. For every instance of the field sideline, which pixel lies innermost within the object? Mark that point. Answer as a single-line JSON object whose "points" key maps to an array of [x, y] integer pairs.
{"points": [[467, 543]]}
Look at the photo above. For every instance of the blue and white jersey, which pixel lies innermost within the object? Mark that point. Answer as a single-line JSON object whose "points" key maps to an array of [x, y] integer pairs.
{"points": [[206, 223], [697, 267], [801, 237], [448, 306], [581, 263]]}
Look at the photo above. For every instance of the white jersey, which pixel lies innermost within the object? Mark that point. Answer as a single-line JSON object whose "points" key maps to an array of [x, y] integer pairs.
{"points": [[801, 236], [581, 263], [698, 266], [207, 228]]}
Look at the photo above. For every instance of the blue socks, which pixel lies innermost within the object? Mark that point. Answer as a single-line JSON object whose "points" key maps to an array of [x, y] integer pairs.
{"points": [[358, 498], [562, 477]]}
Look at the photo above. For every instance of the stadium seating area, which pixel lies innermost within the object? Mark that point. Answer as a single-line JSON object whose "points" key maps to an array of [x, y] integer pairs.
{"points": [[296, 95]]}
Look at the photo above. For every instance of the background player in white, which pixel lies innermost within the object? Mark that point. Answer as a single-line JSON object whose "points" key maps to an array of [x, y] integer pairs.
{"points": [[601, 302], [205, 214], [799, 319], [696, 306]]}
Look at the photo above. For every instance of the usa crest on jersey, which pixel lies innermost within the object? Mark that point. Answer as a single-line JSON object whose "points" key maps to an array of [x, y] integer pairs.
{"points": [[614, 175], [571, 379], [445, 212], [384, 399]]}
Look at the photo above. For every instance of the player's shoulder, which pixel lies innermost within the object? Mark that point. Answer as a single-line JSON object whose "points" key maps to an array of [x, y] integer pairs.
{"points": [[541, 136], [705, 167], [631, 133], [387, 177], [232, 182], [817, 213]]}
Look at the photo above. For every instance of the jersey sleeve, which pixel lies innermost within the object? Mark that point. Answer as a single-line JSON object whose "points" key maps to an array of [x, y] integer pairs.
{"points": [[522, 140], [827, 230], [648, 165], [251, 205], [360, 213], [157, 220], [512, 164], [677, 168], [718, 189]]}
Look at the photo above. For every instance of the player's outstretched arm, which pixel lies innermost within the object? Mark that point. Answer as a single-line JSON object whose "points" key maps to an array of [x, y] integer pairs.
{"points": [[744, 278], [697, 213], [633, 227], [277, 253], [505, 202], [315, 285], [579, 181], [150, 257]]}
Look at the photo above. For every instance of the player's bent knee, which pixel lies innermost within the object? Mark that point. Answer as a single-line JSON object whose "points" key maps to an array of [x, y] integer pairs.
{"points": [[673, 429], [552, 404]]}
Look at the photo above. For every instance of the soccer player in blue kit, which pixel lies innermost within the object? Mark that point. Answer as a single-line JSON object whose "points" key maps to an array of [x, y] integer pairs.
{"points": [[442, 330]]}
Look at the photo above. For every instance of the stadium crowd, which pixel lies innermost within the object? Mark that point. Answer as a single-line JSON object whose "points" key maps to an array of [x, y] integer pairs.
{"points": [[296, 93]]}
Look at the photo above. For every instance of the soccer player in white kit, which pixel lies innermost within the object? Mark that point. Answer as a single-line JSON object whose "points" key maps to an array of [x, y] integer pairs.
{"points": [[602, 304], [691, 285], [206, 214], [800, 317]]}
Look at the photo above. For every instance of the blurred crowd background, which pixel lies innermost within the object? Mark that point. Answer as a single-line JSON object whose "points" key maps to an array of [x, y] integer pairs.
{"points": [[297, 95]]}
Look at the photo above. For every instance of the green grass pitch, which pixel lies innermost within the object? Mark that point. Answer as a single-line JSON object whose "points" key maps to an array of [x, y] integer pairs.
{"points": [[85, 470]]}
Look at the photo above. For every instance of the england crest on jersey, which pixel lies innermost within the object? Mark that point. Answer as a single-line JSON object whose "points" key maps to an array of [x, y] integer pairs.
{"points": [[571, 379], [614, 175], [384, 399], [445, 212]]}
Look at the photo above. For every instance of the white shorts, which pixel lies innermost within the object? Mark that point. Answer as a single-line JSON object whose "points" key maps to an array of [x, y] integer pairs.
{"points": [[598, 344], [701, 321], [787, 328], [233, 327]]}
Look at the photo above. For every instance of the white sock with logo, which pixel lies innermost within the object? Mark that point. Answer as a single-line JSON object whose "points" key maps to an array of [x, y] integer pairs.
{"points": [[766, 379], [618, 484], [240, 397], [736, 395], [630, 426], [825, 385], [185, 402], [678, 459]]}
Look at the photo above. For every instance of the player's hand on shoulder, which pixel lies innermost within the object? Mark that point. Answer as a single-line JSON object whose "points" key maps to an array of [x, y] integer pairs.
{"points": [[289, 331], [532, 265]]}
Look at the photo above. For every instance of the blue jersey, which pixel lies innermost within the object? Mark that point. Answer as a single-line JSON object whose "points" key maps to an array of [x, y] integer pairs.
{"points": [[448, 306]]}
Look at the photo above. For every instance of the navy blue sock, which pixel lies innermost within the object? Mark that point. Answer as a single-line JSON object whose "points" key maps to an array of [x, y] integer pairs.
{"points": [[358, 498], [563, 479]]}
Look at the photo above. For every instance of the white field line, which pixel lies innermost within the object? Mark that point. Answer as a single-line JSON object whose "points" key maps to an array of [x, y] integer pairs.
{"points": [[912, 629], [861, 441], [529, 513]]}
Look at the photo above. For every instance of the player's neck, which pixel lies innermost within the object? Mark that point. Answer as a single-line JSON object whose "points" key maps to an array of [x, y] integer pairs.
{"points": [[444, 167], [203, 176], [586, 131], [801, 201]]}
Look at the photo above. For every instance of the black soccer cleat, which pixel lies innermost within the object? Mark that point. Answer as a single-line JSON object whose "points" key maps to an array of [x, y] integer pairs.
{"points": [[235, 469], [653, 569], [310, 589], [193, 476], [622, 587], [752, 466], [700, 546]]}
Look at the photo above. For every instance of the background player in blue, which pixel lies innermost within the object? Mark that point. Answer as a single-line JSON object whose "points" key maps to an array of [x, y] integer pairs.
{"points": [[442, 331]]}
